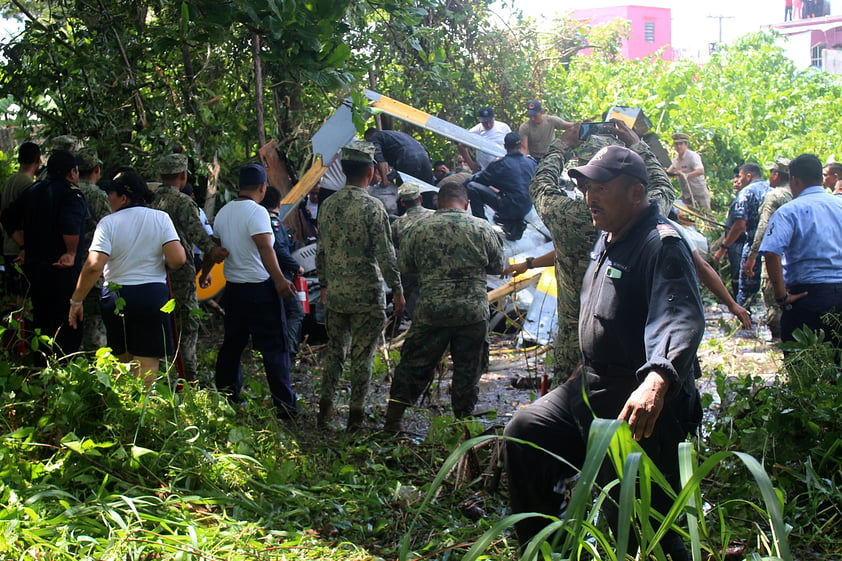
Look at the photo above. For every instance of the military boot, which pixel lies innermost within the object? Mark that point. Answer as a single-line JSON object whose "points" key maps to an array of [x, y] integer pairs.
{"points": [[394, 417], [355, 419], [325, 413]]}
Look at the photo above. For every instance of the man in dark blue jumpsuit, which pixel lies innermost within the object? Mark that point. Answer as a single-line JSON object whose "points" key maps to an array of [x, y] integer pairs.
{"points": [[504, 186], [48, 221], [640, 324]]}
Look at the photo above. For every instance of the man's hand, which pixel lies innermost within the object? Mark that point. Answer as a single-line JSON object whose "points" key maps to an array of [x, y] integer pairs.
{"points": [[286, 288], [516, 269], [21, 258], [205, 280], [644, 405], [720, 254], [624, 134], [748, 266], [399, 302], [75, 316], [65, 261], [742, 314], [218, 254], [570, 136]]}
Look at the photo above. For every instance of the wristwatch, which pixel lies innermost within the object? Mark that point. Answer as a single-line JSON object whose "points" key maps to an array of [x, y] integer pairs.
{"points": [[529, 261]]}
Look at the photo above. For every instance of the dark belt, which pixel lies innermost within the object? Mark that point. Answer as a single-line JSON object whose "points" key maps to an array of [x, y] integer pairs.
{"points": [[799, 288]]}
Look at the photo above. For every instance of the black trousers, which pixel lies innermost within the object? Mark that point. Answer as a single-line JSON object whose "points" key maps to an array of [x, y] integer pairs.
{"points": [[255, 311], [50, 289], [821, 299], [560, 421]]}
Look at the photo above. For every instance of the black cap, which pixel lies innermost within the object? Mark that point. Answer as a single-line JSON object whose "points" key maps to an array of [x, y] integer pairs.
{"points": [[132, 185], [511, 140], [610, 162], [486, 115]]}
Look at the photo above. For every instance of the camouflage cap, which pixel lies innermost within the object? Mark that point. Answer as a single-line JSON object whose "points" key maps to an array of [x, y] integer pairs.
{"points": [[594, 144], [680, 137], [358, 151], [780, 165], [66, 142], [172, 163], [87, 159], [409, 191]]}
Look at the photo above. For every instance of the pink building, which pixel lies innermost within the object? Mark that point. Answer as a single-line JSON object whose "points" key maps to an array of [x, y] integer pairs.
{"points": [[651, 28]]}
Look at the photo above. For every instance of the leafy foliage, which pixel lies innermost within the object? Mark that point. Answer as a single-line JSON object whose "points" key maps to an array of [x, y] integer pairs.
{"points": [[793, 426]]}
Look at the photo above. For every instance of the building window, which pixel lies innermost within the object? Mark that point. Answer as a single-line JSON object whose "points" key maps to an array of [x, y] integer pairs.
{"points": [[816, 55], [649, 31]]}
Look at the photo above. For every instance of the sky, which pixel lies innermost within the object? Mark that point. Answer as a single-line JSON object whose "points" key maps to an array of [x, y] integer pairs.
{"points": [[692, 28]]}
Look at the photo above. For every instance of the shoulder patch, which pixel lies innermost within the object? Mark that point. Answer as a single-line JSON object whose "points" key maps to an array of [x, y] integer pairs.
{"points": [[667, 231]]}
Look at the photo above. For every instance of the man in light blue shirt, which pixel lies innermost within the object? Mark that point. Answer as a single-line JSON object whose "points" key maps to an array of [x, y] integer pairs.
{"points": [[803, 251]]}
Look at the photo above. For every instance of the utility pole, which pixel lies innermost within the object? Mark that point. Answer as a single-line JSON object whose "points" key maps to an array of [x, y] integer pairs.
{"points": [[720, 18]]}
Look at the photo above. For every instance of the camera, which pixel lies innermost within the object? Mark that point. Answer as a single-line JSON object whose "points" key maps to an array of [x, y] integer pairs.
{"points": [[587, 129]]}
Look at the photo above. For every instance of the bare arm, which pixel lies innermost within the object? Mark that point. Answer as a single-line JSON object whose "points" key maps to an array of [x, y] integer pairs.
{"points": [[174, 254], [737, 230], [709, 278], [384, 173], [775, 270], [270, 262], [91, 271], [546, 260]]}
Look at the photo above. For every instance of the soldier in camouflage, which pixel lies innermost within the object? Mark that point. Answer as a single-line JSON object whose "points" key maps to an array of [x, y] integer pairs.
{"points": [[451, 252], [355, 246], [410, 197], [571, 226], [66, 142], [185, 216], [90, 169], [779, 195]]}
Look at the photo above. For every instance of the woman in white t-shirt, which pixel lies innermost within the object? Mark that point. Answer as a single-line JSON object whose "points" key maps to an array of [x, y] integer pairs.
{"points": [[133, 246]]}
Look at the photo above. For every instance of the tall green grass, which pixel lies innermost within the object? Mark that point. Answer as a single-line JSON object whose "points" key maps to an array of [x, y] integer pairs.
{"points": [[582, 537]]}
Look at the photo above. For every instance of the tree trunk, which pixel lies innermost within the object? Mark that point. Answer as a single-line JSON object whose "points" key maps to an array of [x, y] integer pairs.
{"points": [[258, 89]]}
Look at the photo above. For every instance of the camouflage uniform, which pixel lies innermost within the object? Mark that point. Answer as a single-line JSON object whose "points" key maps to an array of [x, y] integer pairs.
{"points": [[185, 216], [451, 252], [409, 191], [569, 221], [773, 200], [355, 246], [93, 330]]}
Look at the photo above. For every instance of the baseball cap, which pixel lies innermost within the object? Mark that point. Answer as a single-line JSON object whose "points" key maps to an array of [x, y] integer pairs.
{"points": [[533, 107], [781, 165], [172, 164], [132, 185], [511, 140], [486, 115], [252, 174], [87, 159], [610, 162], [409, 191], [358, 151]]}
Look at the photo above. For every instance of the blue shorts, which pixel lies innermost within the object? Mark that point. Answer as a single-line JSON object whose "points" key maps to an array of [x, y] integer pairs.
{"points": [[138, 326]]}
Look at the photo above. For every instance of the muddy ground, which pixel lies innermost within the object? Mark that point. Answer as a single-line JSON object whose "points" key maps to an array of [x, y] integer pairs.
{"points": [[725, 348]]}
